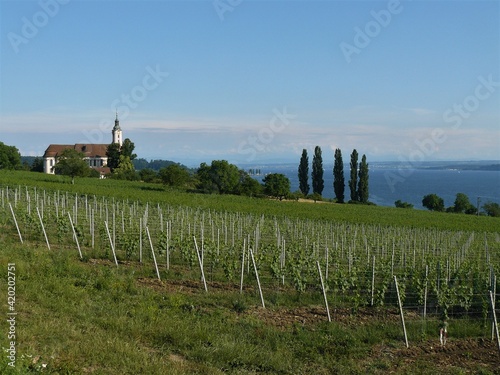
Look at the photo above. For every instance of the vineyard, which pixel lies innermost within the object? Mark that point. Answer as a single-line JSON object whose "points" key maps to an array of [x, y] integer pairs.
{"points": [[440, 274]]}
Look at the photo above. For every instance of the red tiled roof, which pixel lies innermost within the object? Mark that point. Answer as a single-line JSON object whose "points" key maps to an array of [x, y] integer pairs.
{"points": [[54, 150], [89, 150]]}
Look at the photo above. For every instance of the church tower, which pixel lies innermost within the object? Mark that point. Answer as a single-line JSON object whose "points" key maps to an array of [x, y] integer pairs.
{"points": [[117, 132]]}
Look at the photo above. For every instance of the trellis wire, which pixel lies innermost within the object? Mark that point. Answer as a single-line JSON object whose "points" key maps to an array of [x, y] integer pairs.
{"points": [[441, 253]]}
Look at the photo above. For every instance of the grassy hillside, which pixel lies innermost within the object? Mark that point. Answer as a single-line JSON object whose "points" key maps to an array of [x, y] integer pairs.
{"points": [[94, 318], [91, 317], [326, 211]]}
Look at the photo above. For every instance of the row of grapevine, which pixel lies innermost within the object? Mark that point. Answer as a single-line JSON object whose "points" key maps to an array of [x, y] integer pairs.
{"points": [[438, 271]]}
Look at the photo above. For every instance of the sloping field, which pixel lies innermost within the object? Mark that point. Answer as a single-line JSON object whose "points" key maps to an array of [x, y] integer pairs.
{"points": [[135, 302]]}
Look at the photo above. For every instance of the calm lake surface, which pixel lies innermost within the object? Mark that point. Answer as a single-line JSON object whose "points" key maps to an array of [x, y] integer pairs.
{"points": [[388, 183]]}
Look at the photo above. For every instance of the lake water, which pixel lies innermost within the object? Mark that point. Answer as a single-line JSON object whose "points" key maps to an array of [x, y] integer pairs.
{"points": [[387, 183]]}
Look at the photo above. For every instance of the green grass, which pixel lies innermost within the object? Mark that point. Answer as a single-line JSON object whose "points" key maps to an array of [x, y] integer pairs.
{"points": [[134, 190], [78, 317]]}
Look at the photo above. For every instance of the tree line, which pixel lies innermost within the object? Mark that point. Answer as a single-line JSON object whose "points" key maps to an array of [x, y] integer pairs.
{"points": [[221, 177], [461, 205], [358, 182]]}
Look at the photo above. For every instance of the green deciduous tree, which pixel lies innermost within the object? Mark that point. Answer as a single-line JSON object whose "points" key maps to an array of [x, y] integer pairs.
{"points": [[433, 203], [219, 177], [10, 158], [303, 173], [125, 169], [120, 160], [148, 175], [401, 204], [127, 149], [338, 176], [318, 183], [492, 209], [37, 165], [174, 175], [353, 181], [113, 154], [363, 192], [463, 205], [276, 185], [250, 187], [70, 163]]}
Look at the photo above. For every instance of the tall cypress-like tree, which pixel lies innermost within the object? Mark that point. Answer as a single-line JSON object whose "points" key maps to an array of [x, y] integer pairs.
{"points": [[338, 176], [363, 181], [304, 173], [353, 182], [318, 183]]}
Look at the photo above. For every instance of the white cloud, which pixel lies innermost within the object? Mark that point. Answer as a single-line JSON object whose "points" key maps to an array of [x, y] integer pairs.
{"points": [[382, 135]]}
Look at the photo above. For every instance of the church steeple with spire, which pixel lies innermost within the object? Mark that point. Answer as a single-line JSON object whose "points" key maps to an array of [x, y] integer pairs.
{"points": [[117, 132]]}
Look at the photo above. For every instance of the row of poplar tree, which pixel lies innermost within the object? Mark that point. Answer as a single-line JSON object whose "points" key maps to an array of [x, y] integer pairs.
{"points": [[358, 182]]}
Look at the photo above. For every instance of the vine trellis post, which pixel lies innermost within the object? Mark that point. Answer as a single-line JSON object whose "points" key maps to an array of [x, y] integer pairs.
{"points": [[15, 222], [75, 236], [257, 277], [111, 243], [495, 322], [43, 228], [153, 252], [401, 311], [324, 291], [201, 264]]}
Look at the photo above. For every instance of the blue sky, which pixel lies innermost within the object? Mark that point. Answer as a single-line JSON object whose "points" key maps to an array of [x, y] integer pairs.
{"points": [[254, 81]]}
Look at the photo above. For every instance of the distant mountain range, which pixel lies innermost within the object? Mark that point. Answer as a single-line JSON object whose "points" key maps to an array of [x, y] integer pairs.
{"points": [[483, 165], [139, 163]]}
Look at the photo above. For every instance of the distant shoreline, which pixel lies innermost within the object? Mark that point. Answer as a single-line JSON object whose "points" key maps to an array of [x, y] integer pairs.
{"points": [[466, 167]]}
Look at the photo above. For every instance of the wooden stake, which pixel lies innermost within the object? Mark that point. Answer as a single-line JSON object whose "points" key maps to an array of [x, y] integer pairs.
{"points": [[242, 265], [140, 240], [373, 281], [201, 265], [169, 229], [324, 292], [492, 300], [282, 268], [425, 291], [111, 243], [15, 222], [43, 228], [401, 310], [153, 252], [494, 289], [257, 276], [92, 228], [75, 236]]}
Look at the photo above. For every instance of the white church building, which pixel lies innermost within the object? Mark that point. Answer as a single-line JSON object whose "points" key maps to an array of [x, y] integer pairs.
{"points": [[95, 154]]}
